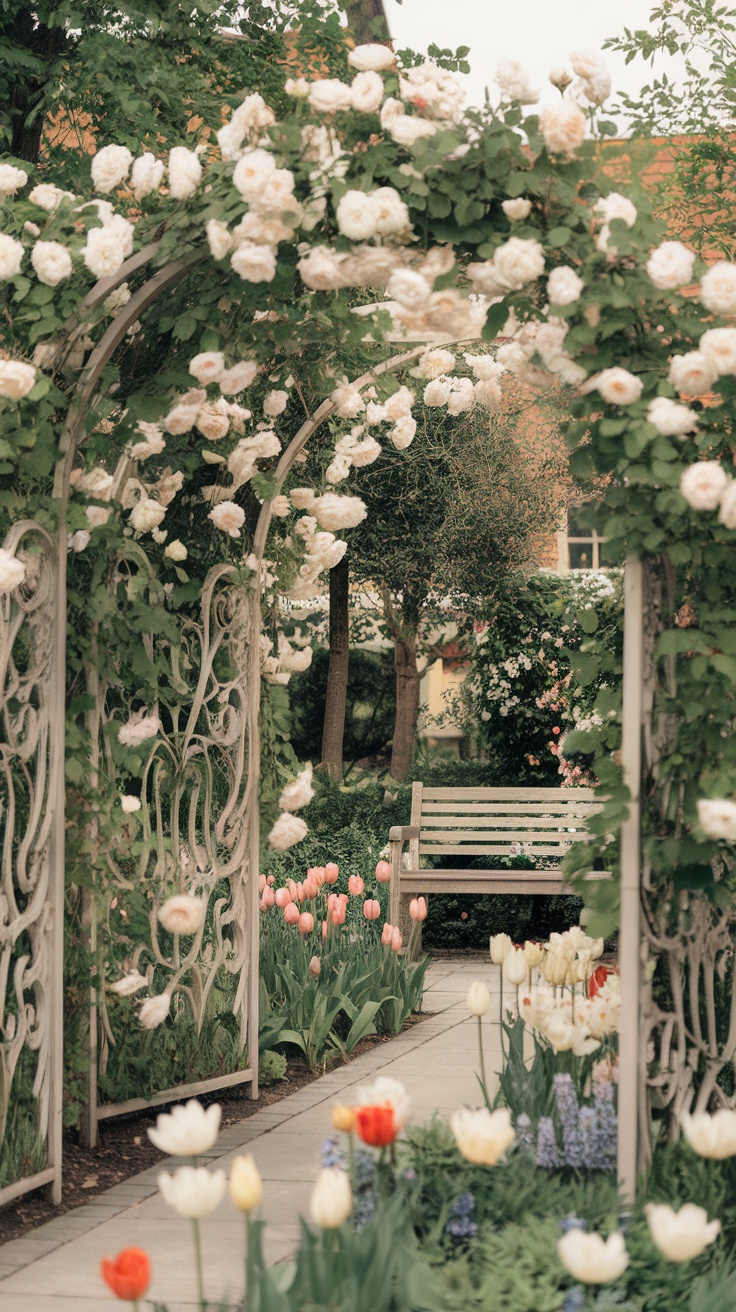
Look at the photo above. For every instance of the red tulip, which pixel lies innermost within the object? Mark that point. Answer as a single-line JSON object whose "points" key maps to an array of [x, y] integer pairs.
{"points": [[356, 885], [291, 913], [383, 872], [283, 897], [597, 980], [331, 872], [371, 909], [129, 1274], [376, 1125], [306, 922], [418, 908]]}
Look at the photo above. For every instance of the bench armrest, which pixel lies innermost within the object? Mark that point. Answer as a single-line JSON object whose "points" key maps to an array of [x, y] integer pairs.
{"points": [[402, 833]]}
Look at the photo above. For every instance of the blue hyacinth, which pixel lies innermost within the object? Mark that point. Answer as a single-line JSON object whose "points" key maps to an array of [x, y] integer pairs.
{"points": [[548, 1155]]}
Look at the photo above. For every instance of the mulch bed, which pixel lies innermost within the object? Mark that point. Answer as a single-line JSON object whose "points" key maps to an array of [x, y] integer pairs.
{"points": [[124, 1148]]}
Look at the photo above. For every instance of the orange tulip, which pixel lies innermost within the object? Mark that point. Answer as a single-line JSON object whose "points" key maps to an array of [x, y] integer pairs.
{"points": [[343, 1119], [376, 1125], [129, 1274]]}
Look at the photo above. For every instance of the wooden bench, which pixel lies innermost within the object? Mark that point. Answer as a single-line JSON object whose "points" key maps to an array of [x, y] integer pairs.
{"points": [[490, 822]]}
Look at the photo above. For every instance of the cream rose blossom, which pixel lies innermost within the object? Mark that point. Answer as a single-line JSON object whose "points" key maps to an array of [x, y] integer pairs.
{"points": [[671, 266], [618, 386], [371, 57], [146, 175], [11, 256], [718, 289], [185, 172], [288, 830], [703, 484], [692, 374], [12, 572], [228, 517], [564, 286], [110, 167], [16, 379], [182, 914], [563, 128]]}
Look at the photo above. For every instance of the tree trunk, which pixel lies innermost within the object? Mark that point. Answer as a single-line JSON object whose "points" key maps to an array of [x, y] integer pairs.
{"points": [[333, 732], [407, 702], [44, 45], [367, 20]]}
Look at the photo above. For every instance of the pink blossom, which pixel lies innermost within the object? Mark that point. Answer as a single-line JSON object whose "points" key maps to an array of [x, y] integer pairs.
{"points": [[306, 922], [383, 872], [338, 915], [261, 883], [268, 898], [355, 885], [396, 939], [331, 872], [283, 897], [387, 935], [291, 913], [371, 909], [418, 909]]}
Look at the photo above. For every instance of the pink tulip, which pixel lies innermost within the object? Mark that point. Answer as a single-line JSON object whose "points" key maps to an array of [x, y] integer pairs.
{"points": [[261, 883], [263, 905], [418, 908], [306, 922], [319, 875], [300, 894], [315, 967], [387, 935], [371, 909], [271, 879], [383, 872], [355, 885], [283, 897], [310, 887], [396, 939], [291, 913], [324, 929], [291, 885], [331, 872], [338, 914], [337, 900], [268, 897]]}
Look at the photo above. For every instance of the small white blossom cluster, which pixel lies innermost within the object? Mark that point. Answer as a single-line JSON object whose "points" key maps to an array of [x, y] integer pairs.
{"points": [[544, 338], [576, 1025], [322, 549], [608, 208], [515, 264], [707, 486], [358, 447], [278, 666]]}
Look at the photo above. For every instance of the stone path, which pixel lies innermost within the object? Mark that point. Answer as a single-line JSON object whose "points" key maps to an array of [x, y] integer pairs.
{"points": [[56, 1267]]}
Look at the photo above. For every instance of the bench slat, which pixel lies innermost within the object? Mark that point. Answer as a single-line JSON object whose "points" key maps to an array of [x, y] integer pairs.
{"points": [[533, 837], [509, 808], [509, 794], [482, 881], [487, 849], [524, 824]]}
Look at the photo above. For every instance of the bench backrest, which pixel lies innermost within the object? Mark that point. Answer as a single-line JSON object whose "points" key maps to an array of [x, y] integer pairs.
{"points": [[538, 822]]}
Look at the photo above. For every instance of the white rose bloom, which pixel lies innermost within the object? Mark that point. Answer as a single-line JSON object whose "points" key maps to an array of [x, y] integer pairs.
{"points": [[331, 1201], [11, 179], [207, 367], [154, 1011], [265, 444], [406, 130], [671, 266], [616, 206], [180, 419], [321, 269], [594, 77], [718, 345], [274, 403], [117, 299], [727, 511], [361, 453], [391, 109], [487, 393], [713, 1136], [185, 172], [513, 80], [251, 171], [434, 363], [393, 214], [718, 289], [371, 57], [348, 401], [302, 498], [146, 175], [12, 571], [130, 804], [228, 517], [591, 1260], [51, 262], [519, 207], [261, 228], [276, 193], [681, 1235], [193, 1192], [618, 386], [97, 516], [482, 1137], [403, 432], [110, 167], [358, 215], [313, 211], [338, 469], [692, 374], [16, 379], [461, 396], [188, 1130], [238, 377], [560, 77], [367, 92], [518, 262], [254, 263], [139, 730], [78, 541], [219, 239], [129, 984], [182, 914], [146, 514], [11, 256], [670, 418], [49, 197], [408, 288], [297, 86], [563, 128], [104, 252], [329, 95], [299, 793], [399, 404], [288, 830], [124, 230], [212, 423], [334, 512], [437, 392], [703, 484], [564, 287], [176, 550]]}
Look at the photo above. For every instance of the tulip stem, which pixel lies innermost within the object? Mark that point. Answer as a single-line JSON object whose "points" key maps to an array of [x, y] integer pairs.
{"points": [[500, 1017], [482, 1059], [246, 1291], [198, 1264]]}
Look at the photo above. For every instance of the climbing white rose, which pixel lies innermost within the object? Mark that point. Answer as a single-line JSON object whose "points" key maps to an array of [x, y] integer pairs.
{"points": [[615, 206], [16, 379], [403, 432], [11, 179], [437, 392], [299, 793], [618, 386], [564, 286], [513, 80], [51, 261], [595, 80], [718, 345], [207, 367], [228, 517], [110, 167], [11, 256], [130, 804], [274, 403], [154, 1011], [185, 172], [146, 175], [12, 571], [434, 363], [251, 171], [288, 830], [371, 57], [519, 261], [367, 92], [237, 377], [519, 207], [671, 266], [219, 239], [139, 730], [176, 550], [358, 215], [692, 374], [718, 289], [254, 263], [97, 516], [406, 130], [182, 914], [393, 214], [146, 514], [104, 252], [129, 985], [49, 197], [703, 484], [329, 95], [563, 128], [670, 417], [727, 508], [335, 512], [408, 288]]}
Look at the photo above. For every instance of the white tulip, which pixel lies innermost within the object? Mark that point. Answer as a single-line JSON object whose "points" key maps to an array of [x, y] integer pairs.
{"points": [[681, 1235], [482, 1136], [515, 967], [479, 999], [193, 1192], [500, 945], [711, 1136], [187, 1130], [331, 1202], [592, 1260]]}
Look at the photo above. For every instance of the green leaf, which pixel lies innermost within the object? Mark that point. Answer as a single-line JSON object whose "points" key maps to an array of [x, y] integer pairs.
{"points": [[495, 320]]}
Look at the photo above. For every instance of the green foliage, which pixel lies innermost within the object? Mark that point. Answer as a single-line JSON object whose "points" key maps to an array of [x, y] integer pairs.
{"points": [[272, 1067], [371, 706]]}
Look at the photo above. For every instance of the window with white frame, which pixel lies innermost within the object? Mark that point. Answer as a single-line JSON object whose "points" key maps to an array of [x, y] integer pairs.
{"points": [[578, 547]]}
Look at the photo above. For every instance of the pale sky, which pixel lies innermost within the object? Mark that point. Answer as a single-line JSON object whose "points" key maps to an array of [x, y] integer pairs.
{"points": [[539, 33]]}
